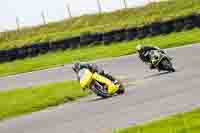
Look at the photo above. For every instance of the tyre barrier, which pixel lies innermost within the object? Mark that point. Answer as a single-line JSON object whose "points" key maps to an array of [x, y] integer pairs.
{"points": [[117, 35]]}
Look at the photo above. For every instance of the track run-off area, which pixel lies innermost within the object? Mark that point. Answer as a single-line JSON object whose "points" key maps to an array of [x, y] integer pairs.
{"points": [[149, 95]]}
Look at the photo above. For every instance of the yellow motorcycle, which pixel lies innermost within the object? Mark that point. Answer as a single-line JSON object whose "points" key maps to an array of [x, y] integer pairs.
{"points": [[99, 84]]}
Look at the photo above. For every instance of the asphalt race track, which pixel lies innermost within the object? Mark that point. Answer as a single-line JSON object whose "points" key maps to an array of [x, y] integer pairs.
{"points": [[150, 95]]}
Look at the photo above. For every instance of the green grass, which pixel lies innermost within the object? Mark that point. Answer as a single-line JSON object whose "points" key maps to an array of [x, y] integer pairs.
{"points": [[94, 23], [181, 123], [26, 100], [95, 52]]}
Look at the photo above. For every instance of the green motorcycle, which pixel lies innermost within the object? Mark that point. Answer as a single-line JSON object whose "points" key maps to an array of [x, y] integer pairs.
{"points": [[161, 61]]}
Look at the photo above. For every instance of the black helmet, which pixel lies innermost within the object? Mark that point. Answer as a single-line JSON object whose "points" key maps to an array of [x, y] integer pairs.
{"points": [[76, 67]]}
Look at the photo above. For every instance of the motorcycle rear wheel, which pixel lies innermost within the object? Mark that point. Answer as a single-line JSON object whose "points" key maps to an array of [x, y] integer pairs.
{"points": [[99, 90]]}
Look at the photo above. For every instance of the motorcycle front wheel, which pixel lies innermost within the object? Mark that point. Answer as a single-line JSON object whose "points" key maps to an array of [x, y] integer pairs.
{"points": [[121, 89], [167, 65]]}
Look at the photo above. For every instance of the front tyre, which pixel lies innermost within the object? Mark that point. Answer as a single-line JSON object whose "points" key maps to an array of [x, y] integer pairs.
{"points": [[172, 70], [121, 90], [167, 65]]}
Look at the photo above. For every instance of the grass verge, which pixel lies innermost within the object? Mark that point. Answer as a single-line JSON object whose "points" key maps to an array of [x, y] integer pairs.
{"points": [[95, 52], [161, 11], [21, 101], [181, 123]]}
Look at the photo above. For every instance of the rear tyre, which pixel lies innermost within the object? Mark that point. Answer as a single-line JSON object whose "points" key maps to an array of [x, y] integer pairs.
{"points": [[99, 90]]}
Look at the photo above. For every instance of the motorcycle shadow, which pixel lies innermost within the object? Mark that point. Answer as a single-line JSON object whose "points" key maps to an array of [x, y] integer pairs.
{"points": [[157, 75], [96, 99]]}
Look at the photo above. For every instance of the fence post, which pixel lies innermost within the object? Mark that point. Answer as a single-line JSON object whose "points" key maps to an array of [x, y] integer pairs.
{"points": [[125, 4], [17, 24], [99, 6], [149, 1], [69, 11], [43, 18]]}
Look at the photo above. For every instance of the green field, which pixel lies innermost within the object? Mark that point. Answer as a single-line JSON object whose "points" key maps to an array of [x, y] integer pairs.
{"points": [[26, 100], [181, 123], [93, 23], [95, 52]]}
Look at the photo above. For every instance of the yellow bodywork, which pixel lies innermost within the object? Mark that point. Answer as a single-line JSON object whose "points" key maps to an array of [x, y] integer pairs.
{"points": [[86, 80], [112, 88]]}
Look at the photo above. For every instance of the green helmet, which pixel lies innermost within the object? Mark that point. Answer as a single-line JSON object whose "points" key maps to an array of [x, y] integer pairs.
{"points": [[139, 48]]}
